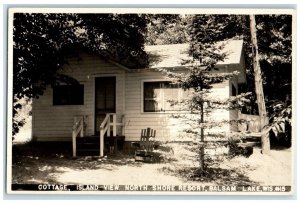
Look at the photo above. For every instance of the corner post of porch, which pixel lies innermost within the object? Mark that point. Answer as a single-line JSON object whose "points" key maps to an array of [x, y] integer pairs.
{"points": [[114, 125], [74, 143], [81, 127], [123, 125], [108, 125], [101, 142]]}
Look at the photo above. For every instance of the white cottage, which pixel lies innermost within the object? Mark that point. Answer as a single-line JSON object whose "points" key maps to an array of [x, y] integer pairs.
{"points": [[114, 100]]}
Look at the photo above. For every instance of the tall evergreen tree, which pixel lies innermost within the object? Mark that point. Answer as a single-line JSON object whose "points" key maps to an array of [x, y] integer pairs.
{"points": [[205, 32], [206, 52]]}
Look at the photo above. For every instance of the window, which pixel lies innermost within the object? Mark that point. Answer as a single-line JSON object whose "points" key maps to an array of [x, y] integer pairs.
{"points": [[159, 96], [68, 95]]}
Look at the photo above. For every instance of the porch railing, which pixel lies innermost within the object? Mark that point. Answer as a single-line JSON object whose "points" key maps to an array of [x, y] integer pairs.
{"points": [[78, 128], [252, 123], [110, 121]]}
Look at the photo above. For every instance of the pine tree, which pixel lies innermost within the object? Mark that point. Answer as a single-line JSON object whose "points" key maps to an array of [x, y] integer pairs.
{"points": [[206, 52], [207, 30]]}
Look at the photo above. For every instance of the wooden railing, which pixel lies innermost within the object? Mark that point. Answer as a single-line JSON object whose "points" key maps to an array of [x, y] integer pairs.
{"points": [[252, 123], [110, 121], [78, 128]]}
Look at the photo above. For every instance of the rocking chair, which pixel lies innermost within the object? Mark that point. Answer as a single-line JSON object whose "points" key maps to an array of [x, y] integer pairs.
{"points": [[146, 145]]}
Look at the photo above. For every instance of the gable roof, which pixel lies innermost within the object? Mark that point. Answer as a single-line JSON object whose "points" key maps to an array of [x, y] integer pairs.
{"points": [[167, 56]]}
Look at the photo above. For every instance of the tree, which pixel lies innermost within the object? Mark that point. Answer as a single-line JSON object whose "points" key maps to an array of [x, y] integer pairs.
{"points": [[167, 29], [205, 32], [275, 47], [274, 43], [206, 51], [43, 41], [265, 141]]}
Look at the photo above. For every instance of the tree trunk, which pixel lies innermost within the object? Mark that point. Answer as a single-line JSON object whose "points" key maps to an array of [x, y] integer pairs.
{"points": [[265, 141], [202, 140]]}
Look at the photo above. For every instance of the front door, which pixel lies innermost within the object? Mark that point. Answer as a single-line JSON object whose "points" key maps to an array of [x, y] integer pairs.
{"points": [[105, 99]]}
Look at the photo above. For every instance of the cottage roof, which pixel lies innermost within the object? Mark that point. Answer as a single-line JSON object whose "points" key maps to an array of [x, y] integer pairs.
{"points": [[173, 55]]}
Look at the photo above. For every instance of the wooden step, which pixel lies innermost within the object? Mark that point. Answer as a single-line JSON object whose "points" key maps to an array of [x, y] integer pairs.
{"points": [[90, 145], [88, 152], [249, 144], [88, 139], [252, 139]]}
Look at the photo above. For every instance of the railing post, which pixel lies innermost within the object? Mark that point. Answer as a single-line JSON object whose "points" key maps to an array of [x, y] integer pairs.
{"points": [[74, 143], [114, 125], [81, 127], [123, 125], [85, 121], [108, 124], [101, 142]]}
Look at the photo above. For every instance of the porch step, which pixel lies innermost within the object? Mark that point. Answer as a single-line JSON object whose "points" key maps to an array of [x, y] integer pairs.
{"points": [[90, 145], [88, 152], [88, 139], [253, 138], [250, 141]]}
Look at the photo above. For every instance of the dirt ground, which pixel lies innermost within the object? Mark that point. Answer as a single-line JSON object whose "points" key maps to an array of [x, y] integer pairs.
{"points": [[52, 163]]}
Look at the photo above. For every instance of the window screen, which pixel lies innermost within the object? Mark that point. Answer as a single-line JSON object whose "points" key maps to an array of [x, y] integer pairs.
{"points": [[159, 96], [68, 95]]}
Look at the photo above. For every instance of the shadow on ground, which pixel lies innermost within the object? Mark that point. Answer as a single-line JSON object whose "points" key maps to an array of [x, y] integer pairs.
{"points": [[218, 176], [43, 162], [40, 162]]}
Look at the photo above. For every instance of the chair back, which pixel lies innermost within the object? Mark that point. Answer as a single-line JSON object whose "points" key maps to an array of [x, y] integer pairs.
{"points": [[147, 136]]}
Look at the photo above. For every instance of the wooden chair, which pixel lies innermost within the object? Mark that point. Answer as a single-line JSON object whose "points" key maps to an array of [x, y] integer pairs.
{"points": [[146, 146]]}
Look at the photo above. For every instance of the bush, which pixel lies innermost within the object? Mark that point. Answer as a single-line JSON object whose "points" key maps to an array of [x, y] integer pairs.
{"points": [[236, 148]]}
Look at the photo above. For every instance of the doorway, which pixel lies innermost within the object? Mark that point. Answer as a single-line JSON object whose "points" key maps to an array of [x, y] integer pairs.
{"points": [[105, 99]]}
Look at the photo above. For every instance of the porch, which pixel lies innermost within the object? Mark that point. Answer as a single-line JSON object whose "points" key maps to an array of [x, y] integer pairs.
{"points": [[111, 136], [108, 140], [251, 127]]}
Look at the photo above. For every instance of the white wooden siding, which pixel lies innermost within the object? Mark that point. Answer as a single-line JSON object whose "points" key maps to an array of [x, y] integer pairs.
{"points": [[219, 91], [55, 122], [135, 118], [167, 127]]}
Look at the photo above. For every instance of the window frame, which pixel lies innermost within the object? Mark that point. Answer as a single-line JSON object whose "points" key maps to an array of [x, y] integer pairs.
{"points": [[70, 102], [180, 95]]}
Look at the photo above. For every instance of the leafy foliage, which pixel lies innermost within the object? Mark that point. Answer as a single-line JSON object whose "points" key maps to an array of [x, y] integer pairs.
{"points": [[167, 29], [274, 42], [275, 38], [207, 30], [42, 42], [281, 124], [275, 47]]}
